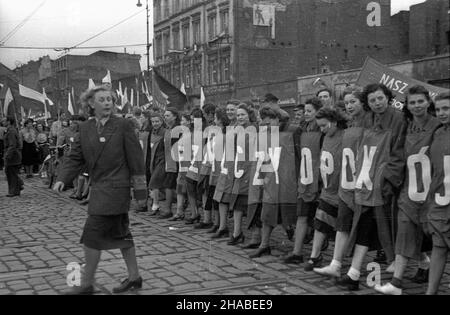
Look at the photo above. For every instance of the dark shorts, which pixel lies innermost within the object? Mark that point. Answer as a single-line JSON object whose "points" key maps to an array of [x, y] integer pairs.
{"points": [[239, 203], [181, 184], [170, 181], [411, 240], [367, 231], [211, 204], [440, 233], [225, 197], [192, 190], [306, 209], [325, 219], [203, 184], [280, 213], [344, 219], [107, 232]]}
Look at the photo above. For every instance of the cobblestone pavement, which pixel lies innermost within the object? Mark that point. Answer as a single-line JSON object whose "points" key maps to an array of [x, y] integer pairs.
{"points": [[40, 232]]}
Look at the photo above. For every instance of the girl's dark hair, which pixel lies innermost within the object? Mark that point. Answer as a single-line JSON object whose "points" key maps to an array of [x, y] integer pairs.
{"points": [[176, 113], [209, 109], [267, 111], [221, 115], [358, 93], [418, 90], [315, 102], [251, 113], [29, 120], [324, 90], [333, 116], [198, 113], [11, 120], [372, 88]]}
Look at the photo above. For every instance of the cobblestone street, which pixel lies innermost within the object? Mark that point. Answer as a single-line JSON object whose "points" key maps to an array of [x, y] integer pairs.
{"points": [[40, 232]]}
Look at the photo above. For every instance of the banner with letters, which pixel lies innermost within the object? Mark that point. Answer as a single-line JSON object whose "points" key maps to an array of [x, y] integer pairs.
{"points": [[375, 72]]}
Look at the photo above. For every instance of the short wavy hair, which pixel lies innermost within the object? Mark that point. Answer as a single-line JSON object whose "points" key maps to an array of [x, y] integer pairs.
{"points": [[372, 88], [89, 94]]}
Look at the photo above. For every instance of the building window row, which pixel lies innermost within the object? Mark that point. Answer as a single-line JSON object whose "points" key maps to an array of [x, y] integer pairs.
{"points": [[165, 8]]}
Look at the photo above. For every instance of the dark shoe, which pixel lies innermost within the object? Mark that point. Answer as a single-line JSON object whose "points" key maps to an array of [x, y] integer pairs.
{"points": [[261, 252], [347, 283], [177, 218], [381, 257], [165, 216], [142, 210], [214, 229], [308, 238], [128, 285], [154, 213], [21, 187], [314, 263], [220, 234], [294, 259], [11, 196], [84, 202], [251, 246], [203, 226], [421, 276], [236, 240], [191, 221], [81, 291], [290, 232]]}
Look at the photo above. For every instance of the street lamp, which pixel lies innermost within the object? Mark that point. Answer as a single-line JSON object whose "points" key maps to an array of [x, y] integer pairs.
{"points": [[139, 4]]}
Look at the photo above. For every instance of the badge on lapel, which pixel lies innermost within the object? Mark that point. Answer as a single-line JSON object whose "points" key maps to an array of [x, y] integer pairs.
{"points": [[102, 140]]}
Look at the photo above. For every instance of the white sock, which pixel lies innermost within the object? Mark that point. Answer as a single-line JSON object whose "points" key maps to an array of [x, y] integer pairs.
{"points": [[354, 274], [155, 207], [425, 263], [336, 264]]}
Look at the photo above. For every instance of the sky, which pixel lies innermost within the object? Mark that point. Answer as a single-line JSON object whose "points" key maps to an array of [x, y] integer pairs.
{"points": [[65, 23]]}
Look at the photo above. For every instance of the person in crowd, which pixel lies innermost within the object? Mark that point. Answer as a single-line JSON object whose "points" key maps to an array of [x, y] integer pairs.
{"points": [[356, 109], [326, 97], [172, 120], [12, 158], [2, 138], [271, 100], [224, 185], [410, 235], [379, 173], [42, 140], [209, 110], [155, 162], [299, 115], [56, 127], [183, 167], [277, 177], [221, 121], [30, 151], [438, 204], [308, 185], [140, 118], [246, 134], [193, 173], [332, 125], [111, 150]]}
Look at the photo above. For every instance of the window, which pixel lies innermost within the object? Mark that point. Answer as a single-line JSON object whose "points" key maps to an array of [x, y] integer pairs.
{"points": [[157, 10], [186, 36], [213, 71], [166, 42], [212, 26], [225, 69], [176, 75], [197, 73], [176, 37], [224, 21], [187, 74], [166, 9], [196, 31], [159, 48]]}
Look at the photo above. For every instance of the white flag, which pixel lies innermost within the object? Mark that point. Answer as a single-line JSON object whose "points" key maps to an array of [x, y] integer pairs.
{"points": [[183, 89], [8, 99], [91, 84], [107, 79], [202, 97], [46, 98], [29, 93], [69, 105]]}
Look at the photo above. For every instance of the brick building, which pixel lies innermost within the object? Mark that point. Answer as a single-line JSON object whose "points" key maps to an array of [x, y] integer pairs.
{"points": [[244, 49]]}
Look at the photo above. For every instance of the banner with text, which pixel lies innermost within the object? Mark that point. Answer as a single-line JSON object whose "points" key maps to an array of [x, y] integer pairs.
{"points": [[375, 72]]}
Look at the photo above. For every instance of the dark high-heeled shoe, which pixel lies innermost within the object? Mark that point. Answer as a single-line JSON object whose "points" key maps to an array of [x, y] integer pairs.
{"points": [[191, 221], [220, 234], [261, 252], [177, 218], [236, 240], [251, 246], [213, 230]]}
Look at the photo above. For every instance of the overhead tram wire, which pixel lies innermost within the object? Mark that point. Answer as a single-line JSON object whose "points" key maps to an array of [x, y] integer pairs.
{"points": [[108, 29], [63, 48], [19, 26]]}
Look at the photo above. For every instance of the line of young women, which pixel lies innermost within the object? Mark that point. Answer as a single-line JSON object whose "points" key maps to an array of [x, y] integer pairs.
{"points": [[378, 181]]}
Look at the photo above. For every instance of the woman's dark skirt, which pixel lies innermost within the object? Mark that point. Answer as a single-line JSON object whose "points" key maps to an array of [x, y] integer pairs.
{"points": [[30, 154], [254, 216], [107, 232], [276, 214], [170, 181]]}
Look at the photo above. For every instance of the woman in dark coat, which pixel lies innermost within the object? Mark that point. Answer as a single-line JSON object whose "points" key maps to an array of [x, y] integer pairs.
{"points": [[30, 152], [13, 158]]}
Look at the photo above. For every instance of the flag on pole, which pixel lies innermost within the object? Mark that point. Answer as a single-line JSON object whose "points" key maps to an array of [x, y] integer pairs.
{"points": [[29, 113], [202, 97], [22, 112], [69, 105], [132, 98], [107, 79], [8, 99], [183, 89], [46, 98], [165, 94], [91, 84], [32, 94]]}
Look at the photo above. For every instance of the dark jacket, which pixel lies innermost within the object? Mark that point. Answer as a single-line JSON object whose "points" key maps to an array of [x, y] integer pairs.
{"points": [[115, 162], [12, 145]]}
